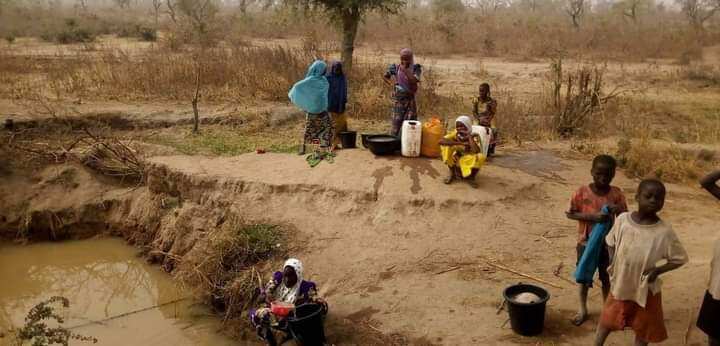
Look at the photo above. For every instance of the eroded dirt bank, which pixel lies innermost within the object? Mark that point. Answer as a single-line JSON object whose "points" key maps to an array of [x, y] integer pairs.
{"points": [[378, 234]]}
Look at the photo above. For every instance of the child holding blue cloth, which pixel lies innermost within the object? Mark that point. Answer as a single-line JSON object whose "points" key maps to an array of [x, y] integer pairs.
{"points": [[586, 207]]}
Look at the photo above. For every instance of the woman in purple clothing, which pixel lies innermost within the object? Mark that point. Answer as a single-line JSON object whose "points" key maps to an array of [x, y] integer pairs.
{"points": [[287, 286]]}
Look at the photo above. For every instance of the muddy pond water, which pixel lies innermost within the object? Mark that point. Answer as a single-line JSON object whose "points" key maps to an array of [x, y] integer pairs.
{"points": [[103, 278]]}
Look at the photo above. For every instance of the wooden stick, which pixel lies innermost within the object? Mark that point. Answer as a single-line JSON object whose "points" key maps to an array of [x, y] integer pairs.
{"points": [[524, 275], [686, 338], [448, 270]]}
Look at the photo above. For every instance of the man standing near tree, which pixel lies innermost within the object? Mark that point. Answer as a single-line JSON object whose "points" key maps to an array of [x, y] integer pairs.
{"points": [[404, 78]]}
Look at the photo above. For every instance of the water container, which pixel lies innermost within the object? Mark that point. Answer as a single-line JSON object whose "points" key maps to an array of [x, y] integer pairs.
{"points": [[348, 139], [410, 138], [432, 132], [485, 134], [526, 318], [307, 326]]}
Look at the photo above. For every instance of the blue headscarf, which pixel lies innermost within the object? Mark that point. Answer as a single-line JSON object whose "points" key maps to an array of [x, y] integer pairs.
{"points": [[310, 94], [337, 96]]}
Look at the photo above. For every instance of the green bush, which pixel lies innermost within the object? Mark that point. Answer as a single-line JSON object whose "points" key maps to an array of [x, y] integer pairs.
{"points": [[10, 38]]}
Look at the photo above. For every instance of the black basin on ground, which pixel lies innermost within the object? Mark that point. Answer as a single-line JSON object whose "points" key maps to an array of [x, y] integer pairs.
{"points": [[381, 144]]}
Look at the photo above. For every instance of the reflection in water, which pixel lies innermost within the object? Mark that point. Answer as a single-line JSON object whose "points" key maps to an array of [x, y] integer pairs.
{"points": [[102, 278]]}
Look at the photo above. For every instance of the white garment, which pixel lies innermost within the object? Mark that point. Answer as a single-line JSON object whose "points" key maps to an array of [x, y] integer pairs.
{"points": [[289, 294], [638, 248], [714, 286]]}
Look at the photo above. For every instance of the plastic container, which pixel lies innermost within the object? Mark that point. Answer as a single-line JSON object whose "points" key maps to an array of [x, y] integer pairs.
{"points": [[348, 139], [281, 309], [308, 325], [485, 134], [526, 318], [410, 138], [432, 132], [382, 144]]}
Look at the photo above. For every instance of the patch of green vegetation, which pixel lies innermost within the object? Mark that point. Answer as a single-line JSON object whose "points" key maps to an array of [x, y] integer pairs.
{"points": [[37, 330], [262, 239], [227, 142]]}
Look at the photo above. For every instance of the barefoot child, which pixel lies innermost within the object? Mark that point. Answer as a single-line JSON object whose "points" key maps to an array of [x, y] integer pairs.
{"points": [[585, 207], [709, 316], [642, 247]]}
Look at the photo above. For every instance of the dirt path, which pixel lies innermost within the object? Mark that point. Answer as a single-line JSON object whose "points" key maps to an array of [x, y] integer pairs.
{"points": [[378, 234]]}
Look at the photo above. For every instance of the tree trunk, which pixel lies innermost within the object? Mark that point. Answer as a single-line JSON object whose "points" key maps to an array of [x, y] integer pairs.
{"points": [[196, 120], [350, 24]]}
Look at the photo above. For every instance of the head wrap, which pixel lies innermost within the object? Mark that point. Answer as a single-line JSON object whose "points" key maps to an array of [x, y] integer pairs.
{"points": [[310, 94], [289, 294], [337, 95]]}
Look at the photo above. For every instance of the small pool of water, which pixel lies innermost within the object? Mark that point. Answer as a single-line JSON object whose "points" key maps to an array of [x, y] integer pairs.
{"points": [[103, 278]]}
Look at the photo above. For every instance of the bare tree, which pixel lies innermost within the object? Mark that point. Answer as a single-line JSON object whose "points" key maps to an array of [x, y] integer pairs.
{"points": [[199, 13], [348, 14], [123, 4], [575, 9], [196, 96], [156, 5], [82, 4], [489, 6], [244, 4], [699, 11], [170, 4]]}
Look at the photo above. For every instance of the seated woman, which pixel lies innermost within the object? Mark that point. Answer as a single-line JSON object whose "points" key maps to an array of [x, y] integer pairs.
{"points": [[289, 287], [461, 151]]}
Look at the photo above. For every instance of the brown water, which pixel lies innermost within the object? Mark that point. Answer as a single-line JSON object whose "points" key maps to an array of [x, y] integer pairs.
{"points": [[102, 278]]}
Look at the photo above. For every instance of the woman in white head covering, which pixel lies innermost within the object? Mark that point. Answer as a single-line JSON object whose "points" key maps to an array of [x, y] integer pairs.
{"points": [[461, 152], [287, 287]]}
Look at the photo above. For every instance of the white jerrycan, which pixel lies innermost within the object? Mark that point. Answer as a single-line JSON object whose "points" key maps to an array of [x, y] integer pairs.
{"points": [[410, 138]]}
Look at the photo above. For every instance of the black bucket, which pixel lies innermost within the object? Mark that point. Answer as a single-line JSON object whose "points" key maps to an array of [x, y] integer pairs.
{"points": [[526, 318], [307, 326], [348, 139]]}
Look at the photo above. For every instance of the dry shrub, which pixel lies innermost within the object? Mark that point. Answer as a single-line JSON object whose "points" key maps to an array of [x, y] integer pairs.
{"points": [[642, 157], [577, 99], [707, 74], [113, 158], [519, 120], [222, 267]]}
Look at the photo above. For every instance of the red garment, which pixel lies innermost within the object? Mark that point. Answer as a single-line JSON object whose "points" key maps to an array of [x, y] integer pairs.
{"points": [[647, 323], [584, 200]]}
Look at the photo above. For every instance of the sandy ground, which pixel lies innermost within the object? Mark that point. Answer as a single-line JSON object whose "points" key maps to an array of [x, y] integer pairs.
{"points": [[378, 234]]}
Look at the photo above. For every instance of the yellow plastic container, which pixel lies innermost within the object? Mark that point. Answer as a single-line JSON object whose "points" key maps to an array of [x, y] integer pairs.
{"points": [[432, 132]]}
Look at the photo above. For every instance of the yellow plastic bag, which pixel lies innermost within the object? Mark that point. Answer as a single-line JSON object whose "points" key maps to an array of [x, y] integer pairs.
{"points": [[432, 132]]}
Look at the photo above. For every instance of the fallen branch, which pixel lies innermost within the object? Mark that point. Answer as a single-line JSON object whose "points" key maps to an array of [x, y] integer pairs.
{"points": [[524, 275], [448, 270], [688, 330]]}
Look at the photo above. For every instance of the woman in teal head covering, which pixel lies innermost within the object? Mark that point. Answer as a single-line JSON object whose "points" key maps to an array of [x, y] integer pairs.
{"points": [[311, 95]]}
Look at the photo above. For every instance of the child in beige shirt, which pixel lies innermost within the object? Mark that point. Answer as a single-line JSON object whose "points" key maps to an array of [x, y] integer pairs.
{"points": [[642, 247]]}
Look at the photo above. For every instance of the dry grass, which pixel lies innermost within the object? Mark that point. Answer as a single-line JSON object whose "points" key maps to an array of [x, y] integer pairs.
{"points": [[221, 268], [643, 157]]}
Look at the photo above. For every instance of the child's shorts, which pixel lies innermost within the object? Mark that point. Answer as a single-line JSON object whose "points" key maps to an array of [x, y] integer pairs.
{"points": [[709, 317], [647, 323]]}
